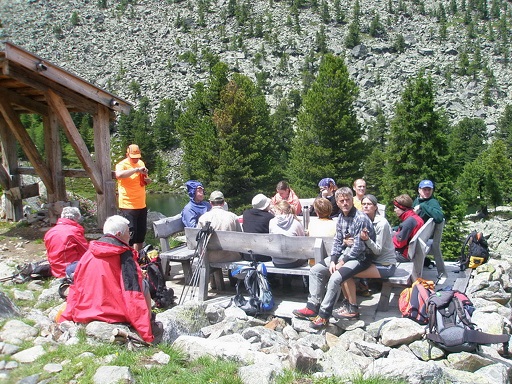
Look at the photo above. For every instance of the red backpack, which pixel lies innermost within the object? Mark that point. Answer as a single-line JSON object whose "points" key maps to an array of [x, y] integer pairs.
{"points": [[413, 301]]}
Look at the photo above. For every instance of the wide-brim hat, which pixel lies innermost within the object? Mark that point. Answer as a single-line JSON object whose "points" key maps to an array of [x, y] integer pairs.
{"points": [[260, 201]]}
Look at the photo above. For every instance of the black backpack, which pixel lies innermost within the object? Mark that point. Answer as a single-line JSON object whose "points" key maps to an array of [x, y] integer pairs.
{"points": [[254, 277], [474, 252], [450, 327], [35, 270], [150, 262]]}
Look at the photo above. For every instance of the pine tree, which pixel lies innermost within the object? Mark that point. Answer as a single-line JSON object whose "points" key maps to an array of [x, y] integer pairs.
{"points": [[417, 146], [504, 131], [466, 141], [328, 137], [376, 143], [164, 126]]}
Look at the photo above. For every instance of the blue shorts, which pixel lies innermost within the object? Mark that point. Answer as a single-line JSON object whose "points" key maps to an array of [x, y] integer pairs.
{"points": [[386, 271]]}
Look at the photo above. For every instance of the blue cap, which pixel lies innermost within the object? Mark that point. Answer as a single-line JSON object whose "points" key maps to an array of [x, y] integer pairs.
{"points": [[426, 184], [325, 182]]}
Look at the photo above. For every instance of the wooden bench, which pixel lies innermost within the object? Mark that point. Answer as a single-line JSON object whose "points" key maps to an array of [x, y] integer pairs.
{"points": [[164, 229], [407, 273], [274, 245]]}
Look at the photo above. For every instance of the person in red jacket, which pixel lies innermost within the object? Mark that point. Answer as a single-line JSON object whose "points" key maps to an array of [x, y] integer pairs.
{"points": [[65, 243], [410, 224], [108, 284]]}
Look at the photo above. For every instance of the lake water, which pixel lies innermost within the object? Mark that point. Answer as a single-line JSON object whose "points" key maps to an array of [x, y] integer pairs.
{"points": [[167, 204]]}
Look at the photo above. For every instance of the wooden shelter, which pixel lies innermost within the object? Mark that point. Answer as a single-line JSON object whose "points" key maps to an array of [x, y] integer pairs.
{"points": [[29, 84]]}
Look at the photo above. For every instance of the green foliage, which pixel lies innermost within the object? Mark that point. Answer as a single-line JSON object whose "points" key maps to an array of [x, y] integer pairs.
{"points": [[326, 17], [164, 126], [466, 141], [376, 143], [75, 20], [353, 37], [328, 137], [376, 28], [321, 41], [486, 181], [399, 43], [504, 131], [102, 4], [224, 128], [338, 12]]}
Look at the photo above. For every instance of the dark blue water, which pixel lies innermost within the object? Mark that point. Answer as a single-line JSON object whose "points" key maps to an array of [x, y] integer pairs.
{"points": [[167, 204]]}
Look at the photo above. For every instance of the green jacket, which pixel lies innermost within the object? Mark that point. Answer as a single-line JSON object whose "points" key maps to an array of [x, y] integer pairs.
{"points": [[430, 208]]}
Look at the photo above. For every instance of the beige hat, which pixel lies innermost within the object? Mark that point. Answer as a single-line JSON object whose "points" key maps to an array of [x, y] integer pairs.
{"points": [[216, 196], [260, 201], [133, 151]]}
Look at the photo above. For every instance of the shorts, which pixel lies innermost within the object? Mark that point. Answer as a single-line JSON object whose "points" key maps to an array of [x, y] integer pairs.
{"points": [[386, 271], [138, 223]]}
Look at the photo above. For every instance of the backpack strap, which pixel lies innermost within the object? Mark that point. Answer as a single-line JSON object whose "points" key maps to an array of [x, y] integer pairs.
{"points": [[474, 336]]}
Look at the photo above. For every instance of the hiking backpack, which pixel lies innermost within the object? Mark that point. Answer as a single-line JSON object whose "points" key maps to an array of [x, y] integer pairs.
{"points": [[149, 261], [413, 301], [34, 270], [450, 327], [474, 252], [254, 277]]}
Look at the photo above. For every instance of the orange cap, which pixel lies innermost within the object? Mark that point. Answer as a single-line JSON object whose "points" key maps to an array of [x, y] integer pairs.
{"points": [[133, 151]]}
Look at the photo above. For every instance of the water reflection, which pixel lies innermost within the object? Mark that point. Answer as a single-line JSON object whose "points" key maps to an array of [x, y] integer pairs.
{"points": [[167, 204]]}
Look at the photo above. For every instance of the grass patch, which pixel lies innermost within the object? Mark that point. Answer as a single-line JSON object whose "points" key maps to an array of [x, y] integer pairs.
{"points": [[292, 377]]}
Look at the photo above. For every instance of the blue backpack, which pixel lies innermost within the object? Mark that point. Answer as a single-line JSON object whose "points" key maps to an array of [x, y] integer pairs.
{"points": [[254, 277]]}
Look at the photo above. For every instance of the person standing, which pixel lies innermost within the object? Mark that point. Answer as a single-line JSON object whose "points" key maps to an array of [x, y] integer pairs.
{"points": [[65, 242], [349, 256], [132, 178], [426, 205], [409, 226], [196, 206], [359, 188]]}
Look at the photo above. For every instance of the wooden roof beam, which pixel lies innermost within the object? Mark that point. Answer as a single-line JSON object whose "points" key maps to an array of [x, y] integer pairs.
{"points": [[60, 76], [75, 139], [26, 143], [24, 102]]}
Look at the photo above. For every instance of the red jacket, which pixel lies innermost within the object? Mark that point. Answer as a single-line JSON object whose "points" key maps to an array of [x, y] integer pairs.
{"points": [[65, 243], [410, 224], [108, 287]]}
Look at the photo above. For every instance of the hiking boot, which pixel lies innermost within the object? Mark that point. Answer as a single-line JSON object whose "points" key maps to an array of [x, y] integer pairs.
{"points": [[363, 289], [318, 322], [305, 313], [349, 312], [158, 331]]}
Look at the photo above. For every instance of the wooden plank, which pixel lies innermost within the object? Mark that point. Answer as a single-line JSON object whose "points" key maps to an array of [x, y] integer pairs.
{"points": [[5, 179], [29, 190], [75, 139], [24, 102], [26, 143], [53, 151], [60, 76]]}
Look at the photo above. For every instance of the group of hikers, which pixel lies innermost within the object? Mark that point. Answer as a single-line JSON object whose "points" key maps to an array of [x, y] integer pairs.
{"points": [[365, 245]]}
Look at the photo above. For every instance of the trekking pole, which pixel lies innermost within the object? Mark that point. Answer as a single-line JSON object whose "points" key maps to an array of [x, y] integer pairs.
{"points": [[197, 272], [203, 237]]}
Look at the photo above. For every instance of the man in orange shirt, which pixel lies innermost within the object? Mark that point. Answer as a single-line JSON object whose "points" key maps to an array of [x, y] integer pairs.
{"points": [[132, 178]]}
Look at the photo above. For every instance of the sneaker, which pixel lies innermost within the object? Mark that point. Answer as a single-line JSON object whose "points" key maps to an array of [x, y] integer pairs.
{"points": [[305, 313], [349, 312], [318, 322]]}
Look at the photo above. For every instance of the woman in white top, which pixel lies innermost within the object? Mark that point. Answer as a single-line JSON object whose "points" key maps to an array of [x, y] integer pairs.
{"points": [[324, 226], [286, 223], [384, 261]]}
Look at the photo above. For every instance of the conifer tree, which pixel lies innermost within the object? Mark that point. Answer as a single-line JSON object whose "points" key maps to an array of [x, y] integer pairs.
{"points": [[164, 126], [417, 146], [328, 137], [505, 128], [466, 141]]}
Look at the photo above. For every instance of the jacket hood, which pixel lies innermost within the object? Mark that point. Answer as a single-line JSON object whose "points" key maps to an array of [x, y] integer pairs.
{"points": [[107, 247], [284, 221], [191, 188]]}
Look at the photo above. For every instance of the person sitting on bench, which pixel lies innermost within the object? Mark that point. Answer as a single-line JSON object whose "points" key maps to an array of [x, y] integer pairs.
{"points": [[410, 224]]}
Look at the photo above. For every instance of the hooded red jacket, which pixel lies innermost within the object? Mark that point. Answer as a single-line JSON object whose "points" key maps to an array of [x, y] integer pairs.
{"points": [[65, 243], [108, 287]]}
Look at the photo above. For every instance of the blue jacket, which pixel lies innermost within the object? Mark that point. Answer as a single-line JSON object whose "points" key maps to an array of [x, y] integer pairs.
{"points": [[193, 210]]}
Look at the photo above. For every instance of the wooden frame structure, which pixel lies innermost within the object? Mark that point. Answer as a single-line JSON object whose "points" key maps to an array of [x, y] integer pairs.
{"points": [[29, 84]]}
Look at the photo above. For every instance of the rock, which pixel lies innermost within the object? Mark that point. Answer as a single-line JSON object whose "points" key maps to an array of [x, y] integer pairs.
{"points": [[7, 307], [29, 355], [113, 374]]}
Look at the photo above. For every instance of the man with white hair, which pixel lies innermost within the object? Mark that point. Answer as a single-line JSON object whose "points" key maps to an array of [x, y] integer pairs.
{"points": [[108, 284], [65, 243]]}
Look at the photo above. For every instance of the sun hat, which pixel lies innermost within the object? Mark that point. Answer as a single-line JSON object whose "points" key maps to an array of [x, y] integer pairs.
{"points": [[133, 151], [216, 196], [326, 182], [426, 184], [260, 201]]}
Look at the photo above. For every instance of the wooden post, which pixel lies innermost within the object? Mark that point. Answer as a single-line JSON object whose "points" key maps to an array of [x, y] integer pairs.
{"points": [[107, 201], [13, 201]]}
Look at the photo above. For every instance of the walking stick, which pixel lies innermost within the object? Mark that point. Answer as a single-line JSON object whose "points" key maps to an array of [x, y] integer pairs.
{"points": [[202, 238]]}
